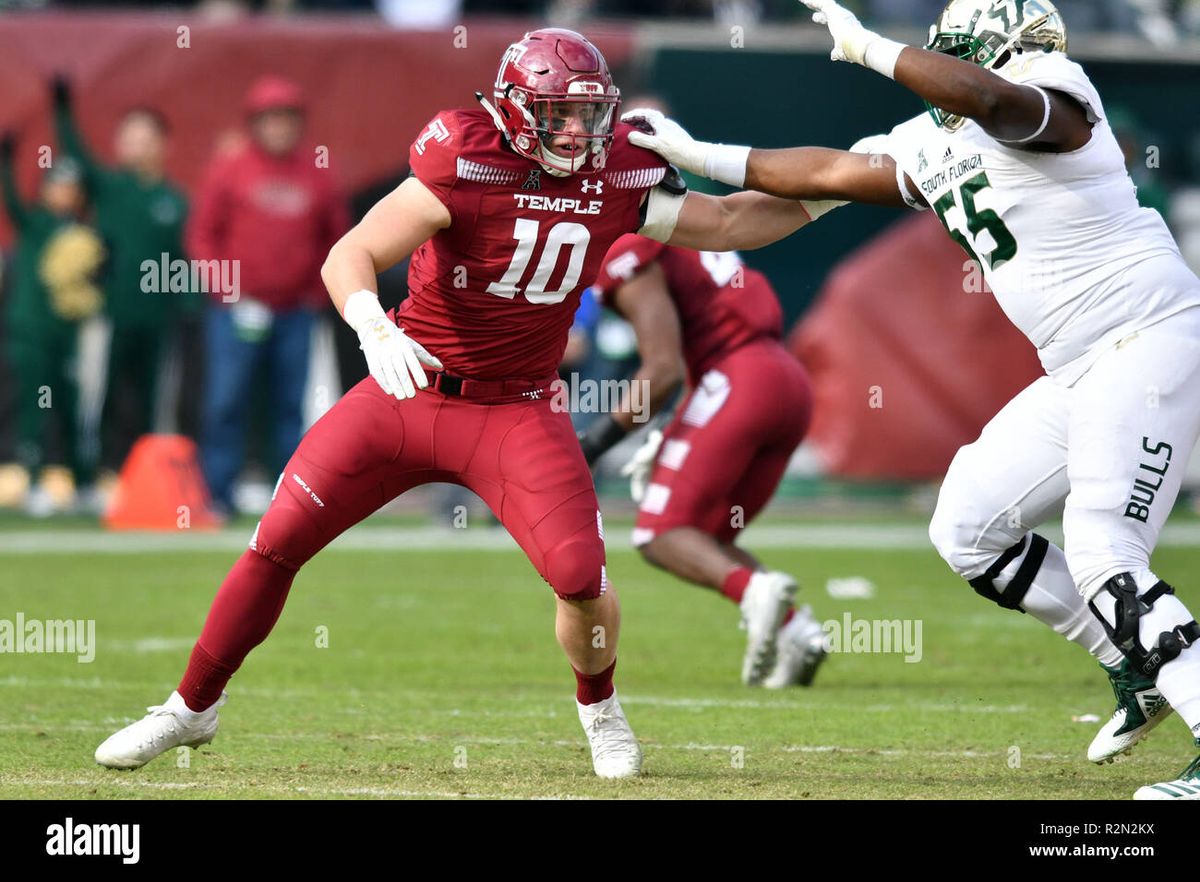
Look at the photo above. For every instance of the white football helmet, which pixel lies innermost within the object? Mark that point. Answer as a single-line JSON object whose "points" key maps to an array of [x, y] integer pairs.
{"points": [[990, 32]]}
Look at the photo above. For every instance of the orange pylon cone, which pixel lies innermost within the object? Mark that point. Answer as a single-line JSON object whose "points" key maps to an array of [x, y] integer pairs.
{"points": [[161, 487]]}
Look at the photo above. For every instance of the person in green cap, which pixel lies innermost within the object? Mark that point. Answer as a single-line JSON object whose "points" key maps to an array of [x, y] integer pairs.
{"points": [[141, 216], [57, 265]]}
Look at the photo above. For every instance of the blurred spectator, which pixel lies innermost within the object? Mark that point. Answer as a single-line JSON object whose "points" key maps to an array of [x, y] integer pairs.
{"points": [[268, 212], [140, 215], [54, 287]]}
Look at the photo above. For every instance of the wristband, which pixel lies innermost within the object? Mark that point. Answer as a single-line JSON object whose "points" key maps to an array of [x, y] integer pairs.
{"points": [[881, 56], [818, 208], [361, 306], [727, 163]]}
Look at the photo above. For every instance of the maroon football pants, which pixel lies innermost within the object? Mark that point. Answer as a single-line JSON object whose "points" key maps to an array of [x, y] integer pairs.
{"points": [[522, 458]]}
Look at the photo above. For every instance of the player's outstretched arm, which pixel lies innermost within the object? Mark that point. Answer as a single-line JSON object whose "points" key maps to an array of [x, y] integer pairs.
{"points": [[818, 173], [390, 232], [738, 222], [815, 174], [1022, 116]]}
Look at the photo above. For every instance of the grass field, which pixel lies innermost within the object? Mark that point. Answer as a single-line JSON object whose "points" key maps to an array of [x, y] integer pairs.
{"points": [[442, 678]]}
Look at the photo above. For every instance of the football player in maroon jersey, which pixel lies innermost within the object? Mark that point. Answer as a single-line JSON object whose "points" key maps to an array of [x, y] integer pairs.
{"points": [[508, 213], [706, 317]]}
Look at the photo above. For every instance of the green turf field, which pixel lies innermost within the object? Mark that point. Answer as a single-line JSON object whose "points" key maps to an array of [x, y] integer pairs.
{"points": [[442, 678]]}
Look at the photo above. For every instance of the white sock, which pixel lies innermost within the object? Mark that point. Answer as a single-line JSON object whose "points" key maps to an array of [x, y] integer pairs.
{"points": [[1053, 600]]}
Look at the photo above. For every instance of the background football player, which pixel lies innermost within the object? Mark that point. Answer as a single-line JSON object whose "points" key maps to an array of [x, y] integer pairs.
{"points": [[510, 208], [1018, 161], [706, 315]]}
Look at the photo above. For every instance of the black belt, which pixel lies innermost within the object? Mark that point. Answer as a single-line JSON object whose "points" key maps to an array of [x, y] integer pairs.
{"points": [[464, 387]]}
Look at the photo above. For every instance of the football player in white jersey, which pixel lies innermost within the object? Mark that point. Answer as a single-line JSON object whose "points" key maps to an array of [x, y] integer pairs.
{"points": [[1017, 159]]}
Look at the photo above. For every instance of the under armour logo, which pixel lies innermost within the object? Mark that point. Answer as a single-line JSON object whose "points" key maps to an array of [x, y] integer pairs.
{"points": [[534, 181], [588, 187]]}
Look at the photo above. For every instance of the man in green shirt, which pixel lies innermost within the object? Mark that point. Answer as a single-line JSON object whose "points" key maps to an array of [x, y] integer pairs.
{"points": [[141, 216]]}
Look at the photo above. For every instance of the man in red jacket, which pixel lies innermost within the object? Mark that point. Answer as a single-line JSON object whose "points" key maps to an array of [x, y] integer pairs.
{"points": [[268, 214]]}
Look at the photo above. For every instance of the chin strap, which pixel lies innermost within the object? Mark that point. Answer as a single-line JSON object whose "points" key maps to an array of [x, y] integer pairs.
{"points": [[495, 114]]}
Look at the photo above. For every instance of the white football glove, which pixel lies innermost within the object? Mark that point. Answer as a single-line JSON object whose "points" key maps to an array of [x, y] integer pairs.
{"points": [[721, 162], [851, 41], [641, 464], [670, 140], [394, 359]]}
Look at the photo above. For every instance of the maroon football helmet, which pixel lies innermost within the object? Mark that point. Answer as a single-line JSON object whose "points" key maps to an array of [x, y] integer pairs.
{"points": [[555, 100]]}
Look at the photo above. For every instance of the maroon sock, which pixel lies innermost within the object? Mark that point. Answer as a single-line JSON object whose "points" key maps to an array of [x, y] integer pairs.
{"points": [[242, 615], [735, 583], [593, 688]]}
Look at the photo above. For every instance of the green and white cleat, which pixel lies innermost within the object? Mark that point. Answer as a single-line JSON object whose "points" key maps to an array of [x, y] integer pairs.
{"points": [[1140, 707], [1186, 786]]}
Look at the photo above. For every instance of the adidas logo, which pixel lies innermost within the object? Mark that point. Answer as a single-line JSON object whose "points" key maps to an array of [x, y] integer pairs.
{"points": [[1152, 703], [949, 155]]}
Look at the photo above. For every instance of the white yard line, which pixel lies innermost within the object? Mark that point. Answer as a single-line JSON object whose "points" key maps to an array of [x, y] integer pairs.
{"points": [[423, 539], [528, 709]]}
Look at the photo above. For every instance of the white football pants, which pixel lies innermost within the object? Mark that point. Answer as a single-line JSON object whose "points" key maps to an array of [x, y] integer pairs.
{"points": [[1110, 452]]}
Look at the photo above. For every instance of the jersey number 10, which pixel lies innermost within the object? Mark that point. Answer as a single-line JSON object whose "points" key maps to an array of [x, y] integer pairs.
{"points": [[977, 221], [526, 233]]}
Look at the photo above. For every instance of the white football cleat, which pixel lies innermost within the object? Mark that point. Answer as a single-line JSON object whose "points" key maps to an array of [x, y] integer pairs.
{"points": [[615, 749], [1185, 787], [1140, 707], [766, 602], [165, 726], [801, 651]]}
